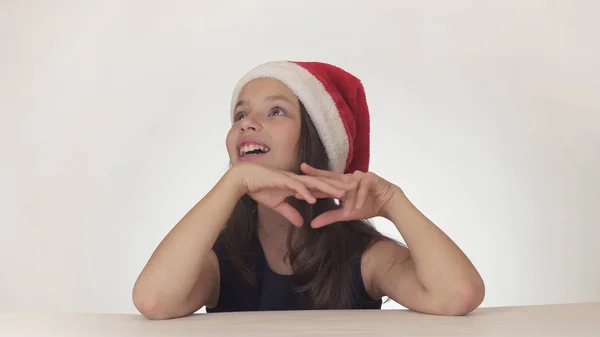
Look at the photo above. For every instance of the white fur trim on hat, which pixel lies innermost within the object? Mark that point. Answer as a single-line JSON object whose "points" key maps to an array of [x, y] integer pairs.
{"points": [[318, 103]]}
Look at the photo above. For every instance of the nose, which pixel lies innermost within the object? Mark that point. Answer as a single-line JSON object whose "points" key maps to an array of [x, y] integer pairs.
{"points": [[250, 123]]}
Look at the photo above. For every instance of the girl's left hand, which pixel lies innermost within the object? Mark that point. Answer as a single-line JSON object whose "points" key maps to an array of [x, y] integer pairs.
{"points": [[367, 200]]}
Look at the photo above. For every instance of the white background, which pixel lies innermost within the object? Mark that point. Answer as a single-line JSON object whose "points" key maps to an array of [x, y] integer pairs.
{"points": [[114, 114]]}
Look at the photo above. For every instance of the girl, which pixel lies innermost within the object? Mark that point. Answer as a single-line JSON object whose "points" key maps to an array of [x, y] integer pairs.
{"points": [[285, 228]]}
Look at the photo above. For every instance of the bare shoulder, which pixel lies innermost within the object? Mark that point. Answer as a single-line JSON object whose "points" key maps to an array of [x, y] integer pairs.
{"points": [[377, 260]]}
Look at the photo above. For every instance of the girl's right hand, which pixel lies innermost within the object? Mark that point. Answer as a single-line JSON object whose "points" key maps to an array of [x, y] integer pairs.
{"points": [[271, 187]]}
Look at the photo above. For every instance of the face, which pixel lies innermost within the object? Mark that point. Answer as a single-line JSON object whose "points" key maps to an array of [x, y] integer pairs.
{"points": [[266, 127]]}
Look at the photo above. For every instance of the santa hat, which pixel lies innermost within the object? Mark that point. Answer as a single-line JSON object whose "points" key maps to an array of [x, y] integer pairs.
{"points": [[336, 103]]}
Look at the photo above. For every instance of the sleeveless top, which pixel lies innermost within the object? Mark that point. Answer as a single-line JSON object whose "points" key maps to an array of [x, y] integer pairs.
{"points": [[272, 291]]}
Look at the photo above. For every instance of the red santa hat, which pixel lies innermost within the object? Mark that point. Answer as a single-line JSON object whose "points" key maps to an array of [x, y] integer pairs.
{"points": [[336, 103]]}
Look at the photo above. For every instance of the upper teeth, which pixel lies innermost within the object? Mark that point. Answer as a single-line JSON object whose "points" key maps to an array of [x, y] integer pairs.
{"points": [[249, 148]]}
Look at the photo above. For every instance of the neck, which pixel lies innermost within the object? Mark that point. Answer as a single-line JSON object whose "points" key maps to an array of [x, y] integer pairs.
{"points": [[272, 226]]}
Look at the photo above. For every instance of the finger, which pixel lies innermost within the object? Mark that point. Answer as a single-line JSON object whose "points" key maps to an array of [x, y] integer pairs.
{"points": [[321, 185], [343, 181], [362, 193], [290, 213], [334, 188], [349, 202], [339, 183], [307, 169], [322, 195], [327, 218], [299, 188], [318, 195], [342, 184]]}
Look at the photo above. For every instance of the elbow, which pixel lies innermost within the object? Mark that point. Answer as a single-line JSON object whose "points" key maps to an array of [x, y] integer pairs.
{"points": [[149, 305], [467, 298]]}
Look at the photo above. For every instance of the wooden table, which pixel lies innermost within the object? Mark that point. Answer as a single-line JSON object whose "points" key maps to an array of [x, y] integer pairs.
{"points": [[547, 320]]}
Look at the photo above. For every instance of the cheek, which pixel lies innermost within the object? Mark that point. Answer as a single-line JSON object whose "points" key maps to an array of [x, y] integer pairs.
{"points": [[292, 137], [230, 143]]}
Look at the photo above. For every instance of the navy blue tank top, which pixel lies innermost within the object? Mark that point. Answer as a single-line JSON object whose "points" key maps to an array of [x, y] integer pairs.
{"points": [[272, 291]]}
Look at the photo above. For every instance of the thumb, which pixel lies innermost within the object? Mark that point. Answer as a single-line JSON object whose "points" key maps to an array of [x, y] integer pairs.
{"points": [[328, 218], [290, 213]]}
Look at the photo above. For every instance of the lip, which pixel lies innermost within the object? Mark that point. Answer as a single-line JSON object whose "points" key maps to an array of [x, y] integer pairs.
{"points": [[250, 141], [252, 157]]}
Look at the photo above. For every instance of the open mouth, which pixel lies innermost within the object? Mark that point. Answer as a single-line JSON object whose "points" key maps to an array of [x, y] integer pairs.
{"points": [[252, 150]]}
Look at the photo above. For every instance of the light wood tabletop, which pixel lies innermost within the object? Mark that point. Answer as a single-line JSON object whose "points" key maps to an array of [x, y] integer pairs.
{"points": [[543, 320]]}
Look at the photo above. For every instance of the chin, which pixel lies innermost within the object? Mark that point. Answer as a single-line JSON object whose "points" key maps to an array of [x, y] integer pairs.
{"points": [[284, 166]]}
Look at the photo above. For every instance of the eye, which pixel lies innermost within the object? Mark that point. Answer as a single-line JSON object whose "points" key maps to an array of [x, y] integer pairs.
{"points": [[238, 116], [277, 112]]}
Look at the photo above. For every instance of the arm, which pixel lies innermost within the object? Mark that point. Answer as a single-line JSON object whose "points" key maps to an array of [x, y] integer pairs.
{"points": [[182, 275], [432, 276]]}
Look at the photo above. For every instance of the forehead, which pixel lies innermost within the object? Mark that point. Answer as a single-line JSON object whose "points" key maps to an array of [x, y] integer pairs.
{"points": [[265, 87]]}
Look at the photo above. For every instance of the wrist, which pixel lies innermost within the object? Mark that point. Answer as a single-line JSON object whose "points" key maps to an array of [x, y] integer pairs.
{"points": [[396, 203], [233, 181]]}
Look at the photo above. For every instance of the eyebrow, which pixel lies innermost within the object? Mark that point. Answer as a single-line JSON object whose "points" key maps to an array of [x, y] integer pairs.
{"points": [[270, 98]]}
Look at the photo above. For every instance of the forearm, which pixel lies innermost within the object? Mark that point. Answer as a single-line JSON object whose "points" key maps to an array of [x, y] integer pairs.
{"points": [[175, 265], [441, 266]]}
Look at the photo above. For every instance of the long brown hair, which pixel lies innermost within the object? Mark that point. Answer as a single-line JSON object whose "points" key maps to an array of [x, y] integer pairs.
{"points": [[321, 259]]}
